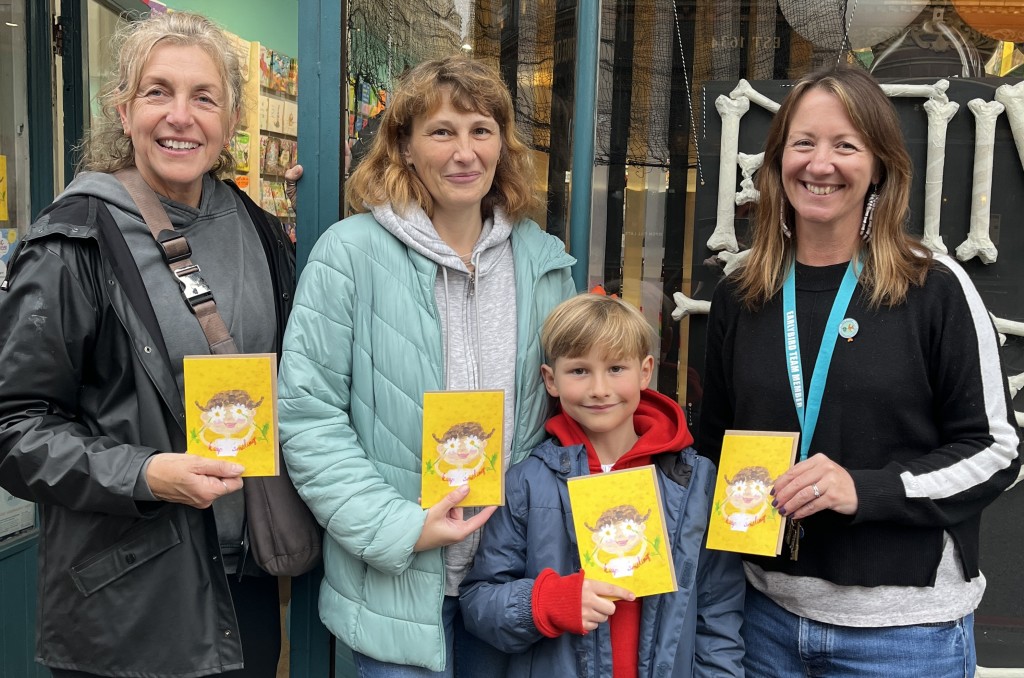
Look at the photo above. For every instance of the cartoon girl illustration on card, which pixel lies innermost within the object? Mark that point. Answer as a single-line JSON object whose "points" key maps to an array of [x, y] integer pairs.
{"points": [[462, 453], [619, 542], [229, 422], [746, 498]]}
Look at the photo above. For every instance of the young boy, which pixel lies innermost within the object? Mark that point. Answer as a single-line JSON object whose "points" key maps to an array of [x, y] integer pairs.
{"points": [[526, 593]]}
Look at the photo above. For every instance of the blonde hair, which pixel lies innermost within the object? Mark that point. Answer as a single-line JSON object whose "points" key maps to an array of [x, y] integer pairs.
{"points": [[587, 320], [472, 87], [892, 259], [106, 148]]}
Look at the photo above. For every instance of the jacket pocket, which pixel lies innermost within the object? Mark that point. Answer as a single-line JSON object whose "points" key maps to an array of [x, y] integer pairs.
{"points": [[131, 552]]}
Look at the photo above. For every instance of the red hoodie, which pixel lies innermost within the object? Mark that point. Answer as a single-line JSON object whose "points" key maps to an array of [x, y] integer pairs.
{"points": [[557, 600]]}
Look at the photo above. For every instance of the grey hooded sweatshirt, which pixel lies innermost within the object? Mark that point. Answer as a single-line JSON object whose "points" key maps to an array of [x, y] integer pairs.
{"points": [[478, 326]]}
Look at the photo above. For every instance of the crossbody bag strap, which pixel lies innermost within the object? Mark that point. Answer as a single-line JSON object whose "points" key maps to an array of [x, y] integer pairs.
{"points": [[177, 255]]}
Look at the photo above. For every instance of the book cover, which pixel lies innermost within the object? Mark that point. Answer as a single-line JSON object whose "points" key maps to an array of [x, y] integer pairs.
{"points": [[238, 145], [264, 106], [265, 58], [620, 530], [280, 199], [462, 445], [231, 409], [290, 125], [271, 155], [743, 518], [275, 114]]}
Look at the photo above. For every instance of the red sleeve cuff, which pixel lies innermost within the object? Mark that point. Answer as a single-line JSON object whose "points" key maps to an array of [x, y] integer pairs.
{"points": [[558, 603]]}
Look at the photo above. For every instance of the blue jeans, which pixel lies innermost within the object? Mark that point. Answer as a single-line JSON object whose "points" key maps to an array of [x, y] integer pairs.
{"points": [[473, 657], [782, 645]]}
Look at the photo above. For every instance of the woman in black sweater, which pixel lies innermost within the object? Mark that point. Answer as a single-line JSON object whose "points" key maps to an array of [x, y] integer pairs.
{"points": [[883, 356]]}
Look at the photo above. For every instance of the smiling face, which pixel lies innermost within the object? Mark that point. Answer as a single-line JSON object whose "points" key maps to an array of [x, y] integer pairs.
{"points": [[827, 168], [747, 495], [462, 451], [228, 420], [601, 394], [455, 155], [178, 121], [620, 537]]}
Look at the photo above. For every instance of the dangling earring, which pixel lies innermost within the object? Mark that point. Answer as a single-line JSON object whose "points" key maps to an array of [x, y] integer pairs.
{"points": [[869, 213], [782, 220]]}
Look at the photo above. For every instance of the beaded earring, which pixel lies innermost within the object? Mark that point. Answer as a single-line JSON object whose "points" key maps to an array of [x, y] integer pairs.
{"points": [[782, 220], [869, 213]]}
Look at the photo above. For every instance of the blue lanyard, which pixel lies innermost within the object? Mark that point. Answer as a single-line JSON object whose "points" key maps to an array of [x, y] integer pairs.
{"points": [[807, 412]]}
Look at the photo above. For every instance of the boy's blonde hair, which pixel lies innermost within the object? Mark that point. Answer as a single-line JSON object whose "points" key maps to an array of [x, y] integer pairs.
{"points": [[579, 324]]}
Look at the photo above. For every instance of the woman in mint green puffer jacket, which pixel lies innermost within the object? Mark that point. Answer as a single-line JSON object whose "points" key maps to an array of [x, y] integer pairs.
{"points": [[386, 309]]}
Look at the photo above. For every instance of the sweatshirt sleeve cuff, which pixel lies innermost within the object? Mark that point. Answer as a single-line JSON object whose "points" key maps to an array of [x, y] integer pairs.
{"points": [[557, 603]]}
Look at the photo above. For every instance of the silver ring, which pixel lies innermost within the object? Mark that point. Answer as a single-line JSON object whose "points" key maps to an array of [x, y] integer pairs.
{"points": [[814, 488]]}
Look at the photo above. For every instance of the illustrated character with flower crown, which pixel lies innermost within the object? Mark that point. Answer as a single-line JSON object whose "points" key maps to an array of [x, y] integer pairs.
{"points": [[620, 544], [229, 422], [462, 453], [746, 498]]}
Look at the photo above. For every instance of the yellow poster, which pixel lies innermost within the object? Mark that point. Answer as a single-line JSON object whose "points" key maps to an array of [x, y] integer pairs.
{"points": [[462, 444], [231, 410], [743, 519], [620, 530], [4, 216]]}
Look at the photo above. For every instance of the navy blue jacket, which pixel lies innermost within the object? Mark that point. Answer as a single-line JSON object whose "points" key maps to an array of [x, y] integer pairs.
{"points": [[692, 632]]}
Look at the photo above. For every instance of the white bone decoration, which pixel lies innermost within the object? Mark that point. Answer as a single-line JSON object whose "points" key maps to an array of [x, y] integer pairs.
{"points": [[732, 261], [686, 306], [939, 115], [724, 235], [748, 165], [978, 243]]}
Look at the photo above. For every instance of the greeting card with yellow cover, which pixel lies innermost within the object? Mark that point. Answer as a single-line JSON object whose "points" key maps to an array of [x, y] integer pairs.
{"points": [[231, 409], [743, 519], [462, 443], [620, 530]]}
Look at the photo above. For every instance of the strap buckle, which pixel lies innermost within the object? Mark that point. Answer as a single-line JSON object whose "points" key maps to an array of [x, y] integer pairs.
{"points": [[193, 288]]}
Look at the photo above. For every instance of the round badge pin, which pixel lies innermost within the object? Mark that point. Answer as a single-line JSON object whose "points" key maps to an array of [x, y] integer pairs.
{"points": [[848, 328]]}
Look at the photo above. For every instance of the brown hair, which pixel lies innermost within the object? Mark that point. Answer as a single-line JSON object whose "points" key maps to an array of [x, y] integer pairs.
{"points": [[892, 259], [587, 320], [225, 398], [472, 87], [751, 473], [105, 147], [618, 514], [464, 430]]}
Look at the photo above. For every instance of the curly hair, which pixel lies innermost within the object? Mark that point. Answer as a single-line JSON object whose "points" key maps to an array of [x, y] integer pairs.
{"points": [[463, 430], [472, 87], [225, 398], [105, 147], [757, 474], [618, 514]]}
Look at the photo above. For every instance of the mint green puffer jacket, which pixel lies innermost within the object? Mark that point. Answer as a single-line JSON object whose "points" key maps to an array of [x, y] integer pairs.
{"points": [[362, 345]]}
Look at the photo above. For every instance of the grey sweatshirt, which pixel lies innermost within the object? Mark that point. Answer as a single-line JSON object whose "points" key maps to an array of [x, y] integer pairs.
{"points": [[478, 325]]}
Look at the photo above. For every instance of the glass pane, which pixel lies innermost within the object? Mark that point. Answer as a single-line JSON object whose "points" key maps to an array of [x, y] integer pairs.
{"points": [[14, 161], [102, 24]]}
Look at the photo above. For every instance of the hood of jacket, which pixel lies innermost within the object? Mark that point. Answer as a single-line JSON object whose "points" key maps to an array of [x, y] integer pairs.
{"points": [[108, 188], [414, 228], [658, 420]]}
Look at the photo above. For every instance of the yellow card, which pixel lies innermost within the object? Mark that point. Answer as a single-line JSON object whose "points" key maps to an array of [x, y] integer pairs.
{"points": [[231, 409], [462, 444], [743, 519], [620, 530]]}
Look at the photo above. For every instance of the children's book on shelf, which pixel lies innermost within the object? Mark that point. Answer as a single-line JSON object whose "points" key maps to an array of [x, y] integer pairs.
{"points": [[264, 105], [275, 114], [272, 155], [280, 64], [743, 519], [280, 199], [265, 57], [231, 410], [462, 445], [238, 145], [621, 532], [293, 78], [291, 118], [267, 201]]}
